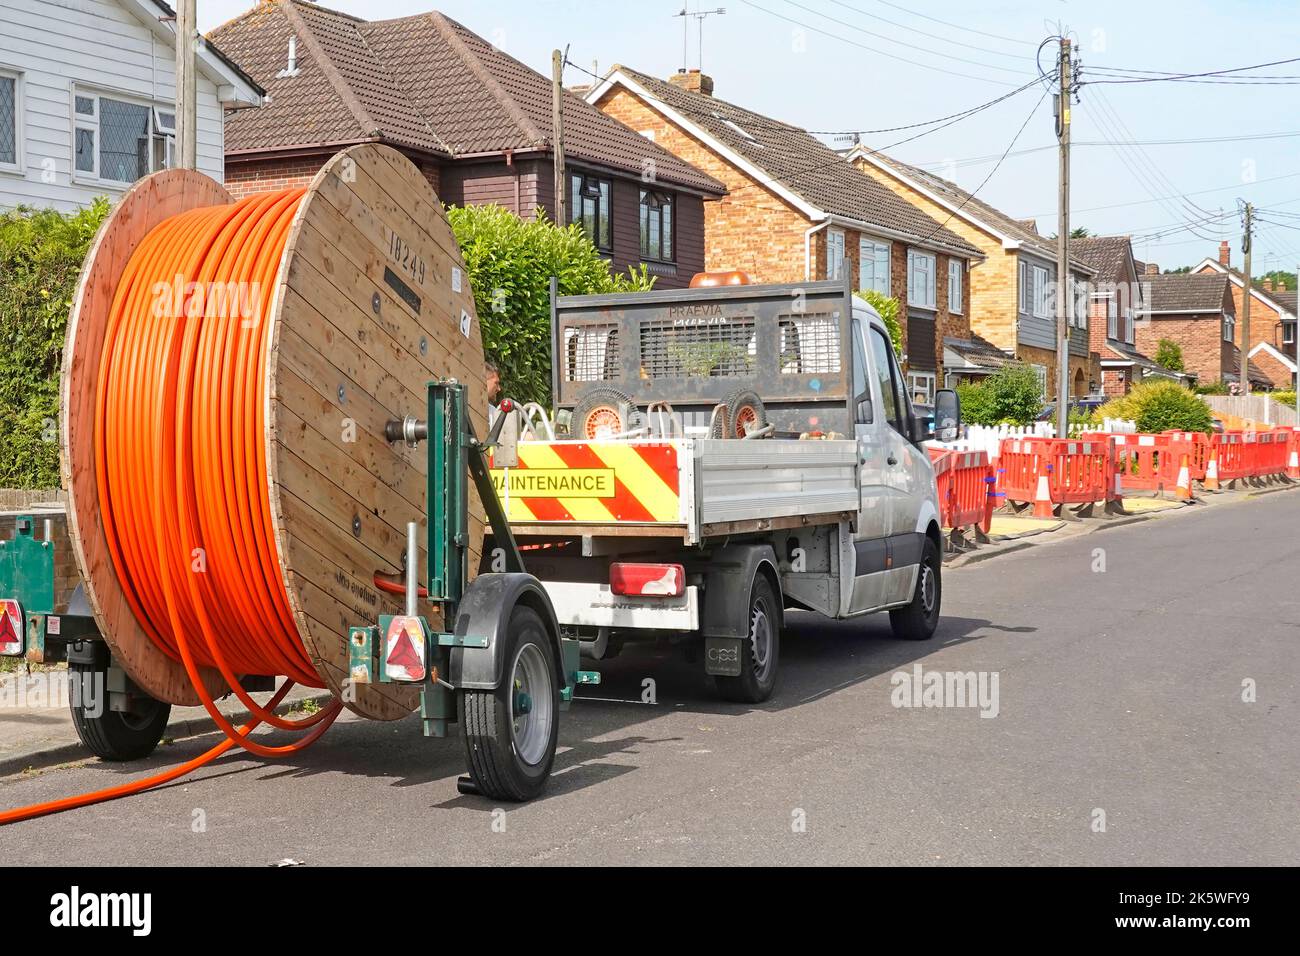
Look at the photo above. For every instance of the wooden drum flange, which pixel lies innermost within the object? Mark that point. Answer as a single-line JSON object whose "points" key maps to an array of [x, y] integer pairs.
{"points": [[372, 302]]}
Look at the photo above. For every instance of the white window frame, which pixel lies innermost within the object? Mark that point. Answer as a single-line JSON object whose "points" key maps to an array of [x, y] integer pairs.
{"points": [[16, 167], [869, 250], [1025, 286], [834, 245], [1112, 318], [157, 130], [1128, 326], [1041, 372], [956, 277], [1229, 328], [923, 382], [1288, 333], [1041, 300], [914, 259]]}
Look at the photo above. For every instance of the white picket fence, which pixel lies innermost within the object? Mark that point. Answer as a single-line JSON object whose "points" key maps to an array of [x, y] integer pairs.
{"points": [[988, 438]]}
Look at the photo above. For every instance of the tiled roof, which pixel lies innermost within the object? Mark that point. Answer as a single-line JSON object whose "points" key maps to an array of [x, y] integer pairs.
{"points": [[1023, 231], [1129, 354], [421, 82], [801, 163], [978, 352], [1105, 254], [1185, 292], [1257, 375], [1285, 301]]}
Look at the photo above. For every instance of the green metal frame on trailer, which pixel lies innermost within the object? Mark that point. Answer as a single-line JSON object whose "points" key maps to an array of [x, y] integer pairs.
{"points": [[455, 456]]}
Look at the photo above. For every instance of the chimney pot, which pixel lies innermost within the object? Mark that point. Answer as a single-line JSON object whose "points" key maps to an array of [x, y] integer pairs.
{"points": [[693, 81], [1152, 269], [1225, 253], [1268, 285]]}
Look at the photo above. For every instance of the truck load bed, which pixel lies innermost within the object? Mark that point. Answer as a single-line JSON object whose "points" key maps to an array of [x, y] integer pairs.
{"points": [[691, 488]]}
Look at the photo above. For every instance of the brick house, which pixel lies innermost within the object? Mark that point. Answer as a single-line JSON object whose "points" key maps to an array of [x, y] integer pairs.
{"points": [[1114, 302], [1272, 344], [795, 210], [1012, 300], [1197, 312], [476, 121]]}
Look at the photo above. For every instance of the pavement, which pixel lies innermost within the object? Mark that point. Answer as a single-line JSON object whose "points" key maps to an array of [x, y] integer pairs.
{"points": [[1143, 693]]}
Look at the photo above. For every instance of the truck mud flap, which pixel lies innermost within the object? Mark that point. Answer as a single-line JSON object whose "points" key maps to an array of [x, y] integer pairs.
{"points": [[722, 656]]}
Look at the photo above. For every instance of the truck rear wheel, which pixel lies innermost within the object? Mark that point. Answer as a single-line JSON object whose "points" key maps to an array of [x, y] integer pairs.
{"points": [[743, 412], [111, 734], [918, 620], [760, 651], [511, 732], [604, 410]]}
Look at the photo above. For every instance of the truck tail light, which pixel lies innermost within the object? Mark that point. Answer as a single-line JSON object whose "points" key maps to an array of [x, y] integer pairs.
{"points": [[11, 628], [648, 580]]}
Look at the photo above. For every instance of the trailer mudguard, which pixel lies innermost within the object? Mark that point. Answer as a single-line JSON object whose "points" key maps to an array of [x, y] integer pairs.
{"points": [[728, 579], [484, 612]]}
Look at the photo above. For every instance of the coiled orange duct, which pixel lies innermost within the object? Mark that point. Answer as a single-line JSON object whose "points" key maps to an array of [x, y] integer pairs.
{"points": [[181, 464]]}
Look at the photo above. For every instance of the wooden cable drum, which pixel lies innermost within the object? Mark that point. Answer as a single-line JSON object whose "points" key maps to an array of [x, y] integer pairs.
{"points": [[371, 301]]}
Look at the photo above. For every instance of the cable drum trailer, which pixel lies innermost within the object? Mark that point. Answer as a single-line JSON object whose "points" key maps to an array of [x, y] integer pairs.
{"points": [[368, 401], [732, 451]]}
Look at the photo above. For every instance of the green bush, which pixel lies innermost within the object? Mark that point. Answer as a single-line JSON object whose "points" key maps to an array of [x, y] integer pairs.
{"points": [[1212, 388], [1159, 405], [510, 262], [1286, 398], [1012, 395], [41, 252], [888, 307], [1169, 354]]}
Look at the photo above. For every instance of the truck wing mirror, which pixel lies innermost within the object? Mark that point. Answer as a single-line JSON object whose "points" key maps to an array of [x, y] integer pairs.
{"points": [[947, 415], [864, 409]]}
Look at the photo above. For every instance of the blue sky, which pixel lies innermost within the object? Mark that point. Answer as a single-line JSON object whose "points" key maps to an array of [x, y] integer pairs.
{"points": [[837, 65]]}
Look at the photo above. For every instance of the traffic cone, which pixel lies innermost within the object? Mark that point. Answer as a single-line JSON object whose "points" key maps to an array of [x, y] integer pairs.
{"points": [[1211, 482], [1183, 491], [1293, 462], [1043, 498]]}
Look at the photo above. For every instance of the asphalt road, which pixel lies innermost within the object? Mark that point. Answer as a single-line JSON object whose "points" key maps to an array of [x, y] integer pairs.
{"points": [[1120, 691]]}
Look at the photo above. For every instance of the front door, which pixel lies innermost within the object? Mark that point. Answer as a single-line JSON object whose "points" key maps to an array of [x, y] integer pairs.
{"points": [[871, 541]]}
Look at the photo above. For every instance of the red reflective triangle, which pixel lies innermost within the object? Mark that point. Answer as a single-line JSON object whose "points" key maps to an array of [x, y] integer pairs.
{"points": [[7, 633], [404, 655]]}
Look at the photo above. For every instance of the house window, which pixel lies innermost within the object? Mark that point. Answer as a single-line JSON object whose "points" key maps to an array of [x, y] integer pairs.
{"points": [[1112, 318], [116, 140], [873, 266], [1041, 372], [920, 386], [1025, 288], [1128, 326], [1042, 293], [954, 286], [1288, 333], [920, 279], [1229, 328], [9, 116], [589, 204], [656, 225], [835, 253]]}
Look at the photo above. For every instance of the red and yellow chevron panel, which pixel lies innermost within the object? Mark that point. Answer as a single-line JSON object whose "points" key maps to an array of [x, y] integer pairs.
{"points": [[593, 482]]}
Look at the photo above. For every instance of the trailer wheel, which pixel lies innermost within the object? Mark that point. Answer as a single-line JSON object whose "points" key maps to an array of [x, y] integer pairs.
{"points": [[918, 620], [760, 652], [511, 732], [743, 412], [110, 734], [601, 409]]}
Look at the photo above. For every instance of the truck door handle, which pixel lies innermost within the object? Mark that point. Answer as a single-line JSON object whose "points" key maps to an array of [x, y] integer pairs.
{"points": [[892, 460]]}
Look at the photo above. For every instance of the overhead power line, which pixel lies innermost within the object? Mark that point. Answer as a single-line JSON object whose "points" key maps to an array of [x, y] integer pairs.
{"points": [[1177, 77], [958, 26], [933, 36], [870, 49]]}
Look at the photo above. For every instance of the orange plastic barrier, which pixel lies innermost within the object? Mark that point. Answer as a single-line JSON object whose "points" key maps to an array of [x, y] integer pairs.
{"points": [[1056, 471], [1230, 449], [1198, 451], [1271, 450], [966, 493]]}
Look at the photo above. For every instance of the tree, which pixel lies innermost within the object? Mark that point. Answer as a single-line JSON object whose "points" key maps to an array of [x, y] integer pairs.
{"points": [[1012, 395], [1169, 354], [1279, 277], [510, 263], [887, 308]]}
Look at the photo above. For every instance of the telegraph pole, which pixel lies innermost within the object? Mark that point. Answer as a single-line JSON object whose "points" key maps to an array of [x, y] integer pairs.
{"points": [[186, 96], [1245, 302], [557, 136], [1064, 297]]}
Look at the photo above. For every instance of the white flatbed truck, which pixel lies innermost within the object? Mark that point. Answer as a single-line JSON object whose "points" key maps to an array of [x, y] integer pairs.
{"points": [[732, 452]]}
